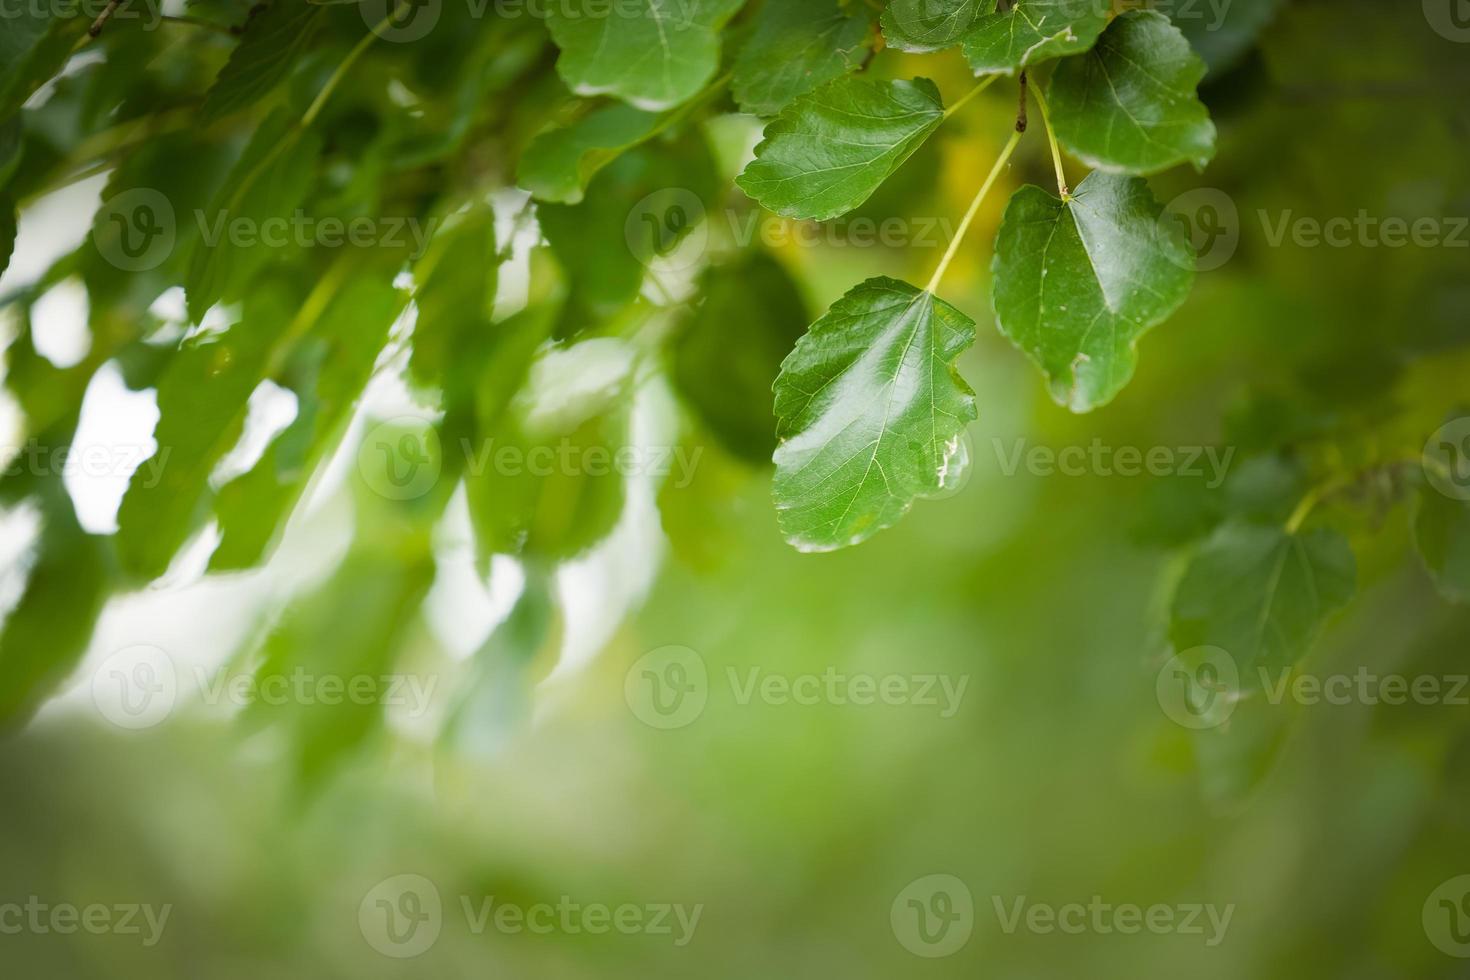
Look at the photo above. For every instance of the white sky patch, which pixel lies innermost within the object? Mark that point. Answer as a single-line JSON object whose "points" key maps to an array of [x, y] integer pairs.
{"points": [[50, 228], [59, 323], [114, 437], [19, 528], [462, 608], [267, 413], [513, 284]]}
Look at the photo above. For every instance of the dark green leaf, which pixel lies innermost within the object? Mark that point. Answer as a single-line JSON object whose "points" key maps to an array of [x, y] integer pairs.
{"points": [[871, 410], [1077, 282], [274, 41], [1129, 104], [1032, 31], [1442, 534], [930, 25], [797, 46], [36, 39], [829, 151], [1262, 594], [654, 60], [730, 349]]}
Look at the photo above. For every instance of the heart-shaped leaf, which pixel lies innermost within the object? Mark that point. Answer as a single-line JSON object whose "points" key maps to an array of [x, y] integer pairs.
{"points": [[1077, 282], [1129, 104], [1031, 31], [871, 410], [830, 150]]}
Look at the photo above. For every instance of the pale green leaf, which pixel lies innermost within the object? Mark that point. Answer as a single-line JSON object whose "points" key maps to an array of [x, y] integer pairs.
{"points": [[655, 60], [273, 42], [270, 179], [560, 162], [202, 400], [830, 150], [1129, 104], [870, 411], [1077, 282]]}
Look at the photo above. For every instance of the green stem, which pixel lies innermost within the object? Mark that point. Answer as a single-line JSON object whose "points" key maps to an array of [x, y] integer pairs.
{"points": [[965, 99], [954, 245], [1051, 137]]}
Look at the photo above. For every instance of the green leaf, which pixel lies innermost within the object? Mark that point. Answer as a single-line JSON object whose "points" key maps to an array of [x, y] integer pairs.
{"points": [[655, 60], [273, 42], [270, 179], [12, 135], [1442, 534], [1078, 282], [7, 231], [351, 627], [1222, 37], [871, 410], [456, 292], [797, 45], [202, 399], [495, 698], [36, 39], [47, 632], [729, 385], [830, 150], [544, 484], [1033, 31], [327, 373], [1261, 594], [561, 162], [1129, 104], [930, 25]]}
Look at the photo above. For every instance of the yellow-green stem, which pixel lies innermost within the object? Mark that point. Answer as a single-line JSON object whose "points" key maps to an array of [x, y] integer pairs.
{"points": [[954, 245]]}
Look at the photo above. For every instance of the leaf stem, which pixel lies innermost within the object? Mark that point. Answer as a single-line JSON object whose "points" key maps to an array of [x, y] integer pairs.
{"points": [[954, 245], [358, 50], [1051, 137], [965, 99]]}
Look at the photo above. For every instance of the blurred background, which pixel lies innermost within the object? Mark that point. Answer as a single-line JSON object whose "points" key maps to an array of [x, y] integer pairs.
{"points": [[679, 766]]}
